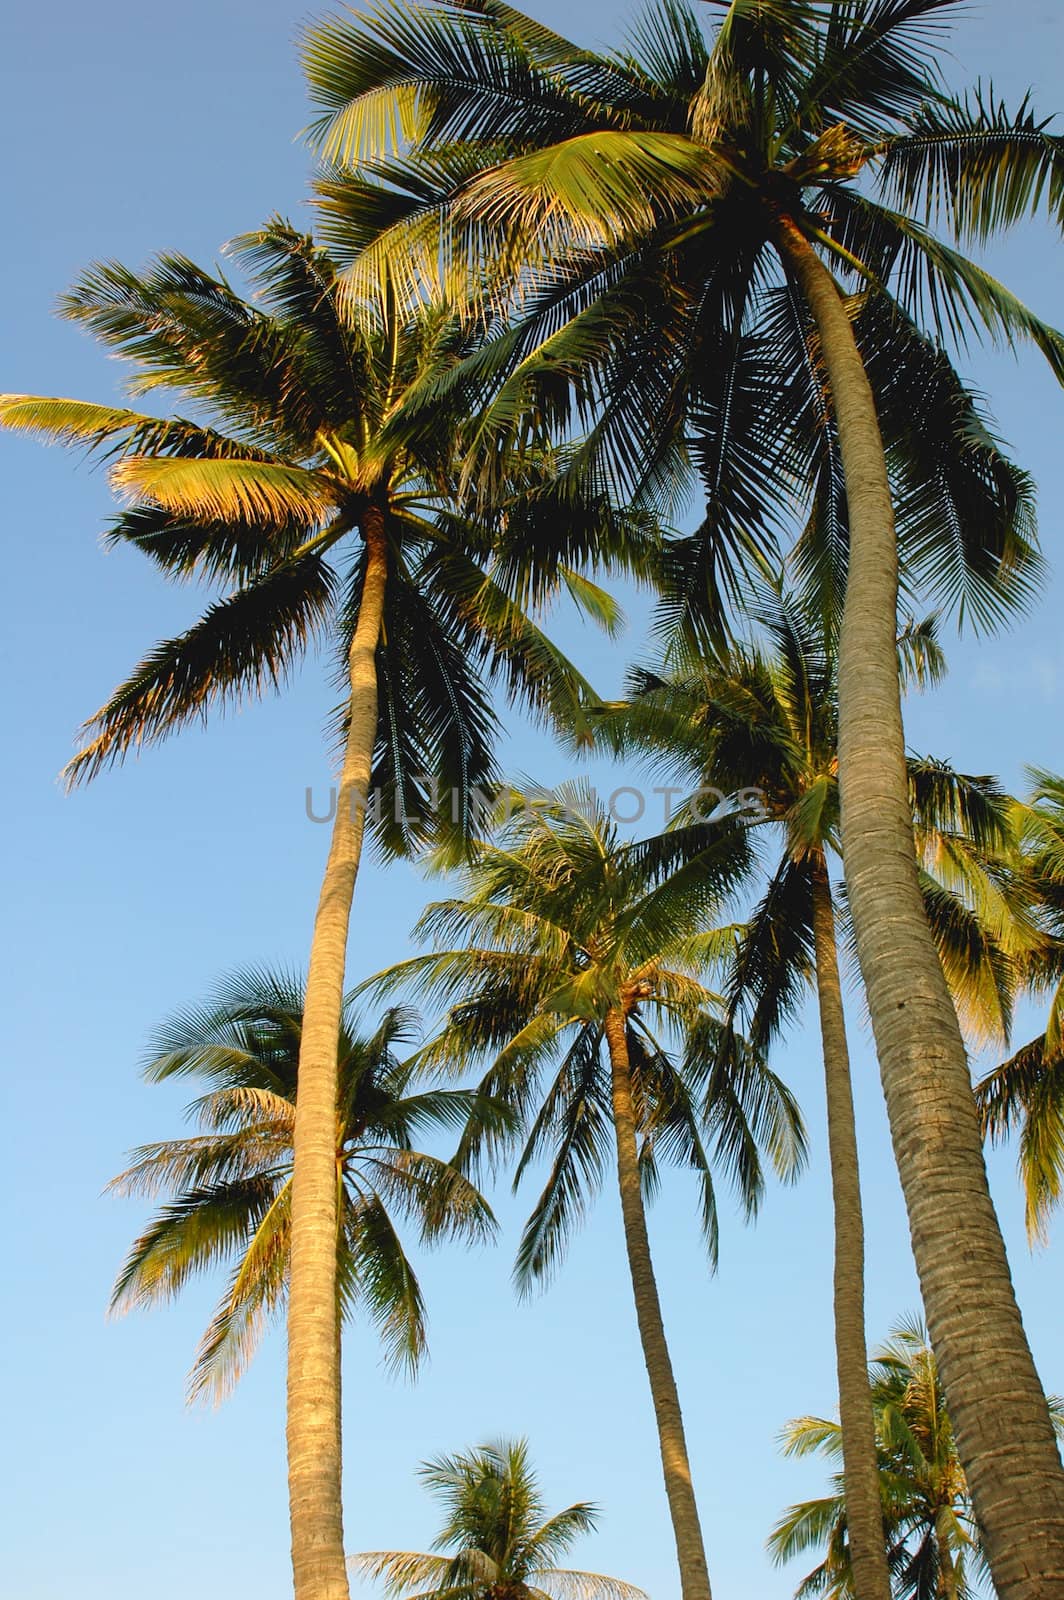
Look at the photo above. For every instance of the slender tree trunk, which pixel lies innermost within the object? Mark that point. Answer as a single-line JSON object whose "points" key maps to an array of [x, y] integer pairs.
{"points": [[996, 1401], [947, 1574], [683, 1508], [314, 1420], [864, 1507]]}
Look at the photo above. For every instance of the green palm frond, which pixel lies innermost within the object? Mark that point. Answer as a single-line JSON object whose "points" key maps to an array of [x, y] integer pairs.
{"points": [[921, 658], [376, 1276], [561, 1583], [574, 1122], [118, 431], [205, 1225], [1026, 1093], [255, 1294], [242, 643], [934, 281], [975, 165]]}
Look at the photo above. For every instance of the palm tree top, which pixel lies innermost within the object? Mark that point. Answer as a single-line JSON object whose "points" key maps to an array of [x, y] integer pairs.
{"points": [[934, 1545], [497, 1541], [227, 1188], [637, 204], [305, 422], [560, 923]]}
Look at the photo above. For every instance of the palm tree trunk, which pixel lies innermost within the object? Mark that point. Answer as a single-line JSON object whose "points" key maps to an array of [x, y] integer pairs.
{"points": [[313, 1347], [683, 1508], [864, 1508], [1004, 1434], [947, 1574]]}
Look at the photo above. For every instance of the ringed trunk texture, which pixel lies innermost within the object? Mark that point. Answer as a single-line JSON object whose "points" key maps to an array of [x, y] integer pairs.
{"points": [[864, 1507], [996, 1401], [314, 1421], [683, 1508]]}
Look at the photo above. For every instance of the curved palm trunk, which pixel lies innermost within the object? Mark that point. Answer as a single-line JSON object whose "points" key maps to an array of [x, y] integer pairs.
{"points": [[313, 1346], [690, 1549], [864, 1509], [1004, 1435]]}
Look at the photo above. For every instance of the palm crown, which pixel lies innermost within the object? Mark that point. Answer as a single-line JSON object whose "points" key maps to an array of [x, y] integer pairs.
{"points": [[763, 718], [633, 203], [316, 420], [497, 1542], [228, 1187], [933, 1539], [560, 924]]}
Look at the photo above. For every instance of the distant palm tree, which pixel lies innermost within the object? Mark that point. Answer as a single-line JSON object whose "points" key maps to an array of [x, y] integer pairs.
{"points": [[568, 950], [228, 1188], [502, 1544], [1027, 1091], [935, 1549], [762, 720], [744, 247], [324, 491]]}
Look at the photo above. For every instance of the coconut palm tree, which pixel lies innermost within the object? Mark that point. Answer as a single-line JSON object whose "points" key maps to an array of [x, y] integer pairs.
{"points": [[936, 1550], [228, 1188], [763, 720], [497, 1542], [324, 496], [1026, 1092], [563, 961], [725, 250]]}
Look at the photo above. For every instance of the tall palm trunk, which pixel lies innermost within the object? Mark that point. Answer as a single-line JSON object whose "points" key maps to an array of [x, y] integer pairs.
{"points": [[864, 1507], [313, 1346], [1004, 1434], [683, 1508], [947, 1572]]}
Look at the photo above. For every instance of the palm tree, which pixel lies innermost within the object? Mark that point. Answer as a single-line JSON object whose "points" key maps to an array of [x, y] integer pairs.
{"points": [[497, 1542], [325, 494], [934, 1543], [565, 949], [1027, 1091], [726, 250], [228, 1188], [765, 722]]}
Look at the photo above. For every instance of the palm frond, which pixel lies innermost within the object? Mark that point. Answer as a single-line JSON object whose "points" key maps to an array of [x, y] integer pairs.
{"points": [[974, 165], [241, 644]]}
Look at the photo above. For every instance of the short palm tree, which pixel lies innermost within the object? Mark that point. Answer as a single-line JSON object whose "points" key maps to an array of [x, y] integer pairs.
{"points": [[1026, 1093], [724, 249], [934, 1544], [498, 1542], [228, 1188], [762, 720], [565, 958], [325, 495]]}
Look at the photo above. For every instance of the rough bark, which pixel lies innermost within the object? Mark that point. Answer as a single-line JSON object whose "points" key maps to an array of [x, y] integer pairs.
{"points": [[676, 1466], [1003, 1430], [864, 1511], [314, 1465]]}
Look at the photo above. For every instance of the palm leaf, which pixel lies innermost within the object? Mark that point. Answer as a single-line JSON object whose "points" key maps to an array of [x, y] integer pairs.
{"points": [[241, 644]]}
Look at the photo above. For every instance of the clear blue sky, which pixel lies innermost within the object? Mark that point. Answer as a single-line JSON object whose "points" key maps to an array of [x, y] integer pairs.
{"points": [[134, 127]]}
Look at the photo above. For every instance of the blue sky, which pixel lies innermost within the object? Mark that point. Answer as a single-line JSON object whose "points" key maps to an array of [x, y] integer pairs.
{"points": [[133, 128]]}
